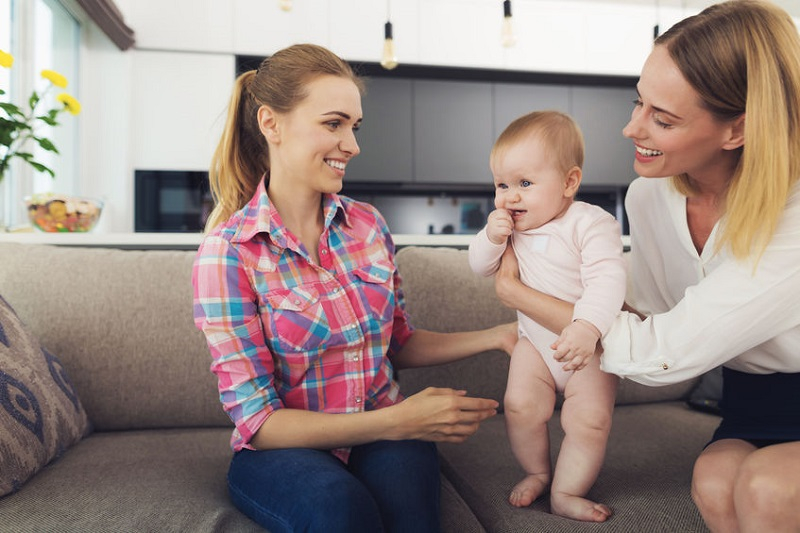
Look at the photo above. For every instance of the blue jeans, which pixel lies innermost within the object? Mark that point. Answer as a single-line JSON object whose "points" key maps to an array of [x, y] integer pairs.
{"points": [[386, 486]]}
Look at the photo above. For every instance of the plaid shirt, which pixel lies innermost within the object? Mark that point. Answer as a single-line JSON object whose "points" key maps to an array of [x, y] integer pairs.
{"points": [[284, 332]]}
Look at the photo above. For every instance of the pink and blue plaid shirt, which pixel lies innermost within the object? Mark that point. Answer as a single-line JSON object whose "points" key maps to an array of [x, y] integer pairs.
{"points": [[285, 332]]}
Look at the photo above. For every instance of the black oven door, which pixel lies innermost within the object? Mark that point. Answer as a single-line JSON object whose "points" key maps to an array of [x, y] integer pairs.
{"points": [[171, 201]]}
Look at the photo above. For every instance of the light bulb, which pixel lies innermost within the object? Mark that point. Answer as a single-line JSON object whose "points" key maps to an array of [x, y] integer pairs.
{"points": [[285, 5], [507, 32], [389, 57]]}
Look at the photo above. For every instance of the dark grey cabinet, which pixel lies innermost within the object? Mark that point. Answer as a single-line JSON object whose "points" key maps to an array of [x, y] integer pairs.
{"points": [[423, 131], [452, 131], [602, 112], [512, 100], [386, 133]]}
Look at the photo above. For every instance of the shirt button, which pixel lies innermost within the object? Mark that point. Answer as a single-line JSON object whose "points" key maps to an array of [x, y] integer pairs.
{"points": [[355, 358], [358, 399], [324, 252], [665, 366], [297, 302]]}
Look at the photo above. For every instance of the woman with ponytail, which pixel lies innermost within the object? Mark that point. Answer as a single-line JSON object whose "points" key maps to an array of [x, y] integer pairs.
{"points": [[299, 297], [715, 251]]}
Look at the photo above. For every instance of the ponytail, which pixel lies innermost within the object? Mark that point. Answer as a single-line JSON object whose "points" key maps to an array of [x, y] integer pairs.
{"points": [[241, 157]]}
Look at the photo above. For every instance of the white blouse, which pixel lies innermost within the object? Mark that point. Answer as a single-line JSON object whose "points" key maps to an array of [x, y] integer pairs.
{"points": [[705, 309]]}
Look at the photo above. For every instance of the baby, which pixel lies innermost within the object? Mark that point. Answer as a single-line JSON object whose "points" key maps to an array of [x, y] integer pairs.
{"points": [[573, 251]]}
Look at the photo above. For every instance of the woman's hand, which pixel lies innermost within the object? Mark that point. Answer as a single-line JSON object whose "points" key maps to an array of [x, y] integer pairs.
{"points": [[440, 415]]}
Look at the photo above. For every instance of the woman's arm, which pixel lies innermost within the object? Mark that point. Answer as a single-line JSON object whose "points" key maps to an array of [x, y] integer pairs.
{"points": [[438, 415], [435, 414], [546, 310], [426, 348]]}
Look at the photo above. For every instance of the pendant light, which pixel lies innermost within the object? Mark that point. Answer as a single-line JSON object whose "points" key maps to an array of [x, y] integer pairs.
{"points": [[657, 28], [389, 57], [507, 37]]}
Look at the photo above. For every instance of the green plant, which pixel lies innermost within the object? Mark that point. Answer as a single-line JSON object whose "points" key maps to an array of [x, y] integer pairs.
{"points": [[19, 126]]}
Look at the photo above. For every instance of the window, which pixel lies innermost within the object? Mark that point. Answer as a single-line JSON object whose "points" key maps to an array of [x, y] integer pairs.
{"points": [[40, 34]]}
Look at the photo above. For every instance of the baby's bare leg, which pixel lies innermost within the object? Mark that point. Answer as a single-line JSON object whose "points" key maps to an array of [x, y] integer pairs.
{"points": [[528, 404], [586, 419]]}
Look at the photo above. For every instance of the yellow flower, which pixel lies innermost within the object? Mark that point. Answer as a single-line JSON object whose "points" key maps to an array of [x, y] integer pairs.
{"points": [[55, 78], [6, 59], [70, 103]]}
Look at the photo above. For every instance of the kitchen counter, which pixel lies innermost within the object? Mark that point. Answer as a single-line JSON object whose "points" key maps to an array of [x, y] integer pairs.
{"points": [[185, 241]]}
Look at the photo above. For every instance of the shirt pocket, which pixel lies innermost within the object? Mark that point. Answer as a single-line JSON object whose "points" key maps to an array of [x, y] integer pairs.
{"points": [[376, 287], [298, 321]]}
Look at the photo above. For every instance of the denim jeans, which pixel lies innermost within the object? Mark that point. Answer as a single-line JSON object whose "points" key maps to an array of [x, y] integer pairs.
{"points": [[386, 486]]}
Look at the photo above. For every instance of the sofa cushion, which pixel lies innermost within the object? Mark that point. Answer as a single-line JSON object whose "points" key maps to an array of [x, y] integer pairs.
{"points": [[149, 480], [646, 477], [121, 321], [40, 412]]}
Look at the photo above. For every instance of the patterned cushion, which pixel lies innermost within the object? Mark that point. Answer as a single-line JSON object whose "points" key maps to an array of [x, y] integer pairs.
{"points": [[40, 414]]}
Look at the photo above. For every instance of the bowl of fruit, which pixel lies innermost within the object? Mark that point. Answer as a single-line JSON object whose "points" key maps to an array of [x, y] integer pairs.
{"points": [[63, 213]]}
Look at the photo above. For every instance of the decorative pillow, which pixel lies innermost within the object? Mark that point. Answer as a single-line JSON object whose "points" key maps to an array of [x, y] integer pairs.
{"points": [[40, 414]]}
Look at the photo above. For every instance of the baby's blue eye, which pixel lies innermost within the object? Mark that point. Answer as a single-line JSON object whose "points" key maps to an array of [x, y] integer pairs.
{"points": [[525, 183]]}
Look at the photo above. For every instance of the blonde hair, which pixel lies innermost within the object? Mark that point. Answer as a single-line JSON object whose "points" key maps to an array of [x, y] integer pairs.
{"points": [[557, 131], [743, 58], [241, 158]]}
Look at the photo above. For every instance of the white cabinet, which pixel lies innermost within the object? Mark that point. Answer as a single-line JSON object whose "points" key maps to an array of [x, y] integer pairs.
{"points": [[571, 36], [190, 25], [178, 104]]}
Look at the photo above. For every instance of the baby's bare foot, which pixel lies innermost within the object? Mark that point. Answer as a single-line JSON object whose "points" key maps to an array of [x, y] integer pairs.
{"points": [[526, 491], [578, 508]]}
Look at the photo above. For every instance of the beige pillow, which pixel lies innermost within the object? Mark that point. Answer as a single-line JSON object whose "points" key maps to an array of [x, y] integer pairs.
{"points": [[40, 413]]}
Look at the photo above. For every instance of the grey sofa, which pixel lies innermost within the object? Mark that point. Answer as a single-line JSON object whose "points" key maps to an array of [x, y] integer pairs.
{"points": [[157, 454]]}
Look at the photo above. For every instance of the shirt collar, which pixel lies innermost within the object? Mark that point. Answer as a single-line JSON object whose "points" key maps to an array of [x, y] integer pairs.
{"points": [[260, 216]]}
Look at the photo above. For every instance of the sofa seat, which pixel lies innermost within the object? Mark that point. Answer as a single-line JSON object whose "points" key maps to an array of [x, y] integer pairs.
{"points": [[149, 480], [659, 441]]}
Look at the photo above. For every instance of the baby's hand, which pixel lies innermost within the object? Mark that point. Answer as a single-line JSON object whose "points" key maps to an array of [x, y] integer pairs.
{"points": [[576, 345], [499, 226]]}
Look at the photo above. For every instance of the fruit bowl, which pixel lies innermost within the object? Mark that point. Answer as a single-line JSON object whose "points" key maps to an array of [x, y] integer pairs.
{"points": [[62, 213]]}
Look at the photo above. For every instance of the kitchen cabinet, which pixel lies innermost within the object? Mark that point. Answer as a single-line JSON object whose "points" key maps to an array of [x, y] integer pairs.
{"points": [[386, 135], [452, 131], [422, 132], [602, 112], [512, 100]]}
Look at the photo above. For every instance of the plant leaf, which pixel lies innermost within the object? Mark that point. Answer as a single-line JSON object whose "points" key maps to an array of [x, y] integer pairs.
{"points": [[46, 144], [41, 168], [48, 120], [11, 109]]}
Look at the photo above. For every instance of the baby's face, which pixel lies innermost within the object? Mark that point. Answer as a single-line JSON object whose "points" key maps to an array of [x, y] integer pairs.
{"points": [[529, 185]]}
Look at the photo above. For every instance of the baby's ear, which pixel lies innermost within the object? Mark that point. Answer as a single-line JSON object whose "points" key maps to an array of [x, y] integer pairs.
{"points": [[572, 182]]}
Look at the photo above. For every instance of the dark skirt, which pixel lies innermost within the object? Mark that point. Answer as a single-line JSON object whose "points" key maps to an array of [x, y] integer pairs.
{"points": [[762, 409]]}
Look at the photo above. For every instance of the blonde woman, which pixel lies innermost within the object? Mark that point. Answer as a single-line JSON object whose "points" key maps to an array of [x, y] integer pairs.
{"points": [[715, 263], [299, 298]]}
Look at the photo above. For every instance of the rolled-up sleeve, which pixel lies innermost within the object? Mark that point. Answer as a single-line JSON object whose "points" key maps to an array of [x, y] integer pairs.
{"points": [[226, 310], [740, 314]]}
